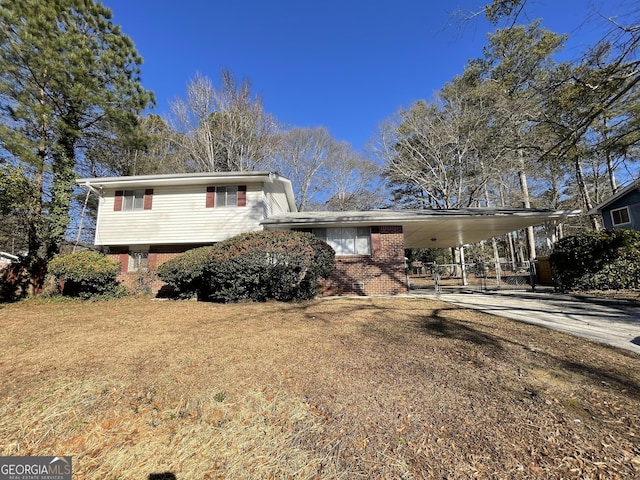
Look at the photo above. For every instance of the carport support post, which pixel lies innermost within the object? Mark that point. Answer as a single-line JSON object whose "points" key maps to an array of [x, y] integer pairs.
{"points": [[532, 274], [463, 266]]}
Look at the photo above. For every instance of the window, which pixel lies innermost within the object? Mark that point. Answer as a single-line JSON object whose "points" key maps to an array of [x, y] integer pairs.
{"points": [[226, 196], [133, 200], [138, 261], [348, 240], [620, 216], [129, 200]]}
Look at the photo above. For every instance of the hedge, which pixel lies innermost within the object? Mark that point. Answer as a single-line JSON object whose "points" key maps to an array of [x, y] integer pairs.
{"points": [[257, 266], [604, 260], [85, 274], [185, 272]]}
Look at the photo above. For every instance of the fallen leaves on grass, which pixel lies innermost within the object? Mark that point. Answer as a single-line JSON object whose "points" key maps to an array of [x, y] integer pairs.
{"points": [[335, 388]]}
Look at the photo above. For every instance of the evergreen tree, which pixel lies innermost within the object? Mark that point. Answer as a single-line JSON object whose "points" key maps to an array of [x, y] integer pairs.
{"points": [[66, 72]]}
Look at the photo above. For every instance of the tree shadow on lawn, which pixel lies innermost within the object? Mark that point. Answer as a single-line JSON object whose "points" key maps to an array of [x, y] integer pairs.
{"points": [[440, 326], [162, 476]]}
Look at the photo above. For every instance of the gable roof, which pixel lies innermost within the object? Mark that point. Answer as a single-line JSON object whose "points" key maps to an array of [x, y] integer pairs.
{"points": [[618, 195], [427, 228]]}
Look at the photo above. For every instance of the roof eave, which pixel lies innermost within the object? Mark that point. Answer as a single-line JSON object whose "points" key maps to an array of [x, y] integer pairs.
{"points": [[401, 217], [175, 179]]}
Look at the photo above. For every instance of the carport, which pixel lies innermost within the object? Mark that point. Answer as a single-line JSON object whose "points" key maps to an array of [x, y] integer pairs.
{"points": [[418, 229], [429, 228]]}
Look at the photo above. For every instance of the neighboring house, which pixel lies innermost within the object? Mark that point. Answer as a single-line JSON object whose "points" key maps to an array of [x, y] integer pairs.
{"points": [[145, 220], [621, 210]]}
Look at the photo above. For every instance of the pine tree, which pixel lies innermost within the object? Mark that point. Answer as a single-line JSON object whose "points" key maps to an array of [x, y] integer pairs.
{"points": [[66, 71]]}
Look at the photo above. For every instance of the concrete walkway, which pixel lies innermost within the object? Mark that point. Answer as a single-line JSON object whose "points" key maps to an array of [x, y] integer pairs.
{"points": [[612, 322]]}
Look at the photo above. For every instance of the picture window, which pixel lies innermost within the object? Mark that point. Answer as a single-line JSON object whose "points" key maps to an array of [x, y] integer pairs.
{"points": [[347, 240]]}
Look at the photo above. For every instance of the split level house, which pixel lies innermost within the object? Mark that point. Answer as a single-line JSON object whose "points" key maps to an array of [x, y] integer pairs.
{"points": [[145, 220]]}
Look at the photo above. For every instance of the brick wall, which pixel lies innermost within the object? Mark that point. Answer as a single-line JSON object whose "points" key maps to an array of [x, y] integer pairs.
{"points": [[138, 281], [382, 273]]}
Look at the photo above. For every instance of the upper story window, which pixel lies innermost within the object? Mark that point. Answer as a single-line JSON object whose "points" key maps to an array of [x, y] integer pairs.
{"points": [[129, 200], [620, 216], [347, 240], [226, 196], [133, 200]]}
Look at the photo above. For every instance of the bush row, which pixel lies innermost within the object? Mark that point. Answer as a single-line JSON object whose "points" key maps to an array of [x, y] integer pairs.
{"points": [[254, 266], [605, 260]]}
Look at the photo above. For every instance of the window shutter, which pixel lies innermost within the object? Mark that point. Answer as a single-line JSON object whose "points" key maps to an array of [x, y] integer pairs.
{"points": [[152, 261], [117, 201], [242, 195], [148, 198], [124, 262], [376, 247], [211, 197]]}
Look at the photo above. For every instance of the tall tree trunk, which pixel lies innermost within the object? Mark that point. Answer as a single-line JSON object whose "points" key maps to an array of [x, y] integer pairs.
{"points": [[584, 192], [61, 191], [512, 252], [610, 168], [36, 226], [611, 172], [524, 186], [463, 266], [494, 243]]}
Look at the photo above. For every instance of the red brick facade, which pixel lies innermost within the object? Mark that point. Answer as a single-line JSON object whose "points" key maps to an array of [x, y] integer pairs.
{"points": [[381, 273], [136, 281]]}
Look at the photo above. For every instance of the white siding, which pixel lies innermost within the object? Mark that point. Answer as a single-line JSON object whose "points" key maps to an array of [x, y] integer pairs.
{"points": [[275, 199], [178, 215]]}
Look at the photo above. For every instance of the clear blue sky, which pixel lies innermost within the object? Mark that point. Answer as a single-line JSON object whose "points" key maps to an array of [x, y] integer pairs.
{"points": [[343, 64]]}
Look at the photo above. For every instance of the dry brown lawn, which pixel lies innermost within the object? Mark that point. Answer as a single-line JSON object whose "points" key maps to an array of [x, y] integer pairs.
{"points": [[345, 388]]}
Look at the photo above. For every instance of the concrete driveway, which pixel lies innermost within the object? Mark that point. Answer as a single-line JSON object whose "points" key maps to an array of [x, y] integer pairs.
{"points": [[612, 322]]}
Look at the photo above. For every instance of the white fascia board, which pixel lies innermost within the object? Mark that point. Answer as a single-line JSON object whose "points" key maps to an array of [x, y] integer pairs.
{"points": [[171, 179], [402, 217]]}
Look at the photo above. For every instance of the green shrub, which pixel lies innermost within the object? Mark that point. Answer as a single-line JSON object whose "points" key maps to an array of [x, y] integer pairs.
{"points": [[605, 260], [254, 266], [86, 274], [185, 272]]}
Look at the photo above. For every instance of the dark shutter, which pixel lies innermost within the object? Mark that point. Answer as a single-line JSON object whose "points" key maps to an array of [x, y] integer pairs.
{"points": [[376, 247], [152, 261], [148, 198], [117, 201], [124, 262], [211, 197], [242, 195]]}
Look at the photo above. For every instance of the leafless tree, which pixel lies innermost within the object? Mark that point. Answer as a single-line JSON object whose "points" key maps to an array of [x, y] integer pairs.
{"points": [[223, 129], [431, 150], [354, 180], [325, 173], [301, 155]]}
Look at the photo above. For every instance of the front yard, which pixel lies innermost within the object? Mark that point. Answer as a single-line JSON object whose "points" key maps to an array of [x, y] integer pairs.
{"points": [[334, 388]]}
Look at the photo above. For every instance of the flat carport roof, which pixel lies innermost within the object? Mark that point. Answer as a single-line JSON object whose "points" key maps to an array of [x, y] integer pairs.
{"points": [[427, 228]]}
